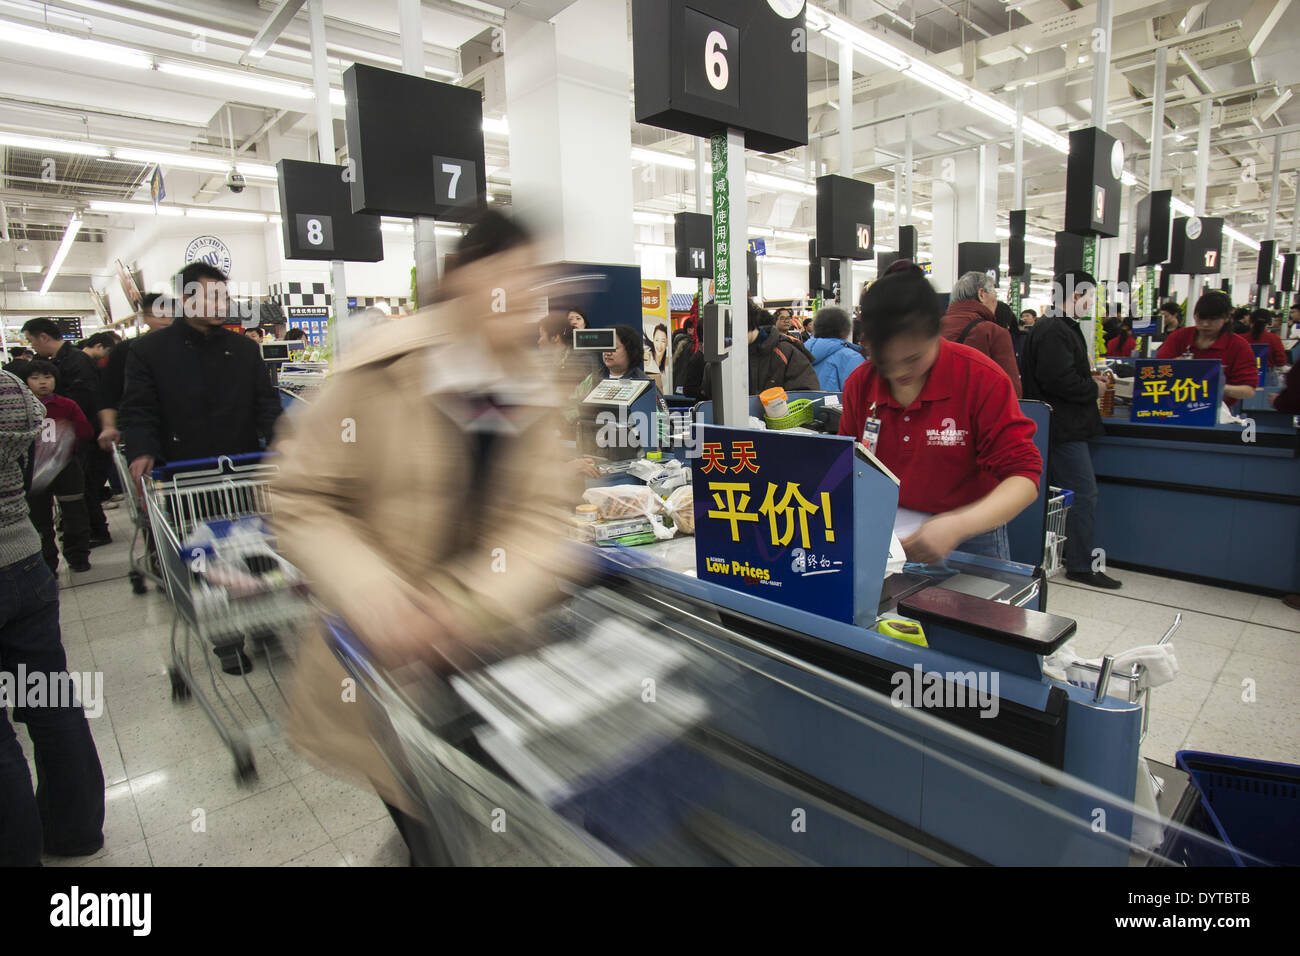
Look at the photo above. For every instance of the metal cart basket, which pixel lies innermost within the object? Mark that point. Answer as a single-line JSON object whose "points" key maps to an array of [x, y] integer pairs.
{"points": [[144, 566], [1058, 505], [224, 591]]}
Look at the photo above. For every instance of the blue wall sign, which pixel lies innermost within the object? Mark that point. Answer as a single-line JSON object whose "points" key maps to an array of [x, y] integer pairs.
{"points": [[758, 247], [774, 517], [1177, 392]]}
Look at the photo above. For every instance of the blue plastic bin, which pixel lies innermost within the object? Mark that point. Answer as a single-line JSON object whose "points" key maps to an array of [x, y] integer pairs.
{"points": [[1253, 806]]}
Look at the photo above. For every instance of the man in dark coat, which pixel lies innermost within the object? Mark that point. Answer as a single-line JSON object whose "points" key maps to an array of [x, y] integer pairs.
{"points": [[1058, 370], [775, 360], [78, 380], [193, 389]]}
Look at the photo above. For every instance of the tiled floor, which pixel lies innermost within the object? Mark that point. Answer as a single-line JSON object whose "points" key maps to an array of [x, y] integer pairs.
{"points": [[1229, 643], [172, 798]]}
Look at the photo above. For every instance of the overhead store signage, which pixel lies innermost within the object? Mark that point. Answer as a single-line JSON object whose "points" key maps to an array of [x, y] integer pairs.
{"points": [[704, 66], [721, 219], [1288, 273], [774, 517], [1264, 265], [1092, 183], [1197, 246], [758, 247], [693, 241], [979, 257], [1177, 392], [1016, 244], [846, 218], [416, 145], [1151, 245], [316, 217]]}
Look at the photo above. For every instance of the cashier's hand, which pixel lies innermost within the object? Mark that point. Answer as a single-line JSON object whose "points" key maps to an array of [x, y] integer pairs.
{"points": [[585, 466], [934, 540]]}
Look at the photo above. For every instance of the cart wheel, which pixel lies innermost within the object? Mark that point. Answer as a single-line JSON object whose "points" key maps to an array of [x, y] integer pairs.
{"points": [[180, 689], [245, 768], [137, 583]]}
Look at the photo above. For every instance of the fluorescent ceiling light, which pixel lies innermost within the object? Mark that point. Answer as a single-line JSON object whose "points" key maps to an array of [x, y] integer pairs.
{"points": [[337, 98], [247, 81], [889, 207], [780, 183], [49, 41], [499, 126], [257, 170], [658, 158], [69, 236], [52, 145], [135, 208], [179, 160], [651, 218], [1004, 233], [225, 215], [940, 80]]}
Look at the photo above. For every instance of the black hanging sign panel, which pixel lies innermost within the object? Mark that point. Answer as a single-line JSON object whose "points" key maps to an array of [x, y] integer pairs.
{"points": [[907, 243], [1092, 183], [316, 217], [1016, 243], [1288, 273], [1197, 246], [1154, 212], [1068, 256], [884, 260], [693, 239], [701, 66], [1264, 268], [417, 145], [846, 218], [979, 257]]}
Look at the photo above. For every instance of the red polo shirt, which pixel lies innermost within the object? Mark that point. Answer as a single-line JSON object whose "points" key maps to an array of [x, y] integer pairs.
{"points": [[962, 437], [1276, 350], [1231, 350]]}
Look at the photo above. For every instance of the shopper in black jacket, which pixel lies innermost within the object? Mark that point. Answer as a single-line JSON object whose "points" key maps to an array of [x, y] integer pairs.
{"points": [[194, 389], [155, 310], [79, 381], [1057, 369]]}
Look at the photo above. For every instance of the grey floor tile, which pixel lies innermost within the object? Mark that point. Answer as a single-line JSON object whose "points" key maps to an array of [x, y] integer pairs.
{"points": [[1271, 612], [135, 855], [168, 797], [376, 844], [1273, 681], [1281, 645], [328, 855], [1165, 736], [1183, 697], [267, 829], [121, 827], [1239, 742], [340, 807]]}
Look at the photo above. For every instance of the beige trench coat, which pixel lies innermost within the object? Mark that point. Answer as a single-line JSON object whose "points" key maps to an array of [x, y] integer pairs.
{"points": [[372, 483]]}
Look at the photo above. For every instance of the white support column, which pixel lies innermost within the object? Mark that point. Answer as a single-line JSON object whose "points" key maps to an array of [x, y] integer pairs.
{"points": [[846, 158], [1101, 65], [1202, 187], [570, 139], [907, 169], [327, 153], [703, 188], [1019, 153], [411, 24], [1272, 214], [1158, 119]]}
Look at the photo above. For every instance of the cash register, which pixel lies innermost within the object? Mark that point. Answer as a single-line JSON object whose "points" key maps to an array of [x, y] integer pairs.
{"points": [[617, 418]]}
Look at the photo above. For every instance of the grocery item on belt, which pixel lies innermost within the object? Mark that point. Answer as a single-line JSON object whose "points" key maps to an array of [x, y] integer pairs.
{"points": [[624, 501], [681, 508]]}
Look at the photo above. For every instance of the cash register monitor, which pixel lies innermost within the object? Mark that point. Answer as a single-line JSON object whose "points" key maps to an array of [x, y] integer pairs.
{"points": [[277, 352], [594, 340]]}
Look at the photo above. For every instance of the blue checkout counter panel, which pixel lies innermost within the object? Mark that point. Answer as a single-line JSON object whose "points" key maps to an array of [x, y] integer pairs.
{"points": [[1208, 504]]}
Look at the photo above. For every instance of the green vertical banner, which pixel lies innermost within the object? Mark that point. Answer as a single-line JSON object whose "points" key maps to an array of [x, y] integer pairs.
{"points": [[1149, 303], [721, 220], [1014, 297], [1099, 296]]}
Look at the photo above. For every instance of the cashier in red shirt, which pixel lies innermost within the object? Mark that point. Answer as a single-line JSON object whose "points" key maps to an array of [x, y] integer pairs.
{"points": [[942, 417], [1259, 334], [1212, 338]]}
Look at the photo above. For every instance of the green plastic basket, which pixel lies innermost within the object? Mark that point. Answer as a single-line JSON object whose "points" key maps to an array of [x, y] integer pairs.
{"points": [[799, 412]]}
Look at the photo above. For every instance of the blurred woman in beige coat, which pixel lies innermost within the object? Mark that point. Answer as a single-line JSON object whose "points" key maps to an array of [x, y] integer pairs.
{"points": [[421, 494]]}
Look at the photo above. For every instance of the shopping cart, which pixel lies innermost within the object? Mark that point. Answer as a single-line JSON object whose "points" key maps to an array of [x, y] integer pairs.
{"points": [[1058, 505], [144, 566], [226, 585]]}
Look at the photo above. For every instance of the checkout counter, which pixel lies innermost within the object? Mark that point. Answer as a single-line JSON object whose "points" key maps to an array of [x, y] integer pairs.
{"points": [[1016, 783], [1218, 504]]}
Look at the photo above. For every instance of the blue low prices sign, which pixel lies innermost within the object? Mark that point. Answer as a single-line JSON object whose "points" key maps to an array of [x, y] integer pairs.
{"points": [[1177, 392], [1261, 362], [774, 517]]}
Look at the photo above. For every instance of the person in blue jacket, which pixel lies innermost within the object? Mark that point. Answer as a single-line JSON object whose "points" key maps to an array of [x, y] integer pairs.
{"points": [[834, 356]]}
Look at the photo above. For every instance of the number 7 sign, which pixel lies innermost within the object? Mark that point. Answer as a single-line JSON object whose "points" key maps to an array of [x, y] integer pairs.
{"points": [[455, 181]]}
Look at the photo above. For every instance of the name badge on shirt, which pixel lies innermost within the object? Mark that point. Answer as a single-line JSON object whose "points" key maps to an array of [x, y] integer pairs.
{"points": [[871, 433]]}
